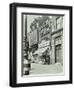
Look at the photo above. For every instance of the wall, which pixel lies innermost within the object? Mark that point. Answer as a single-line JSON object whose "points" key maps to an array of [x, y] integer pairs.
{"points": [[4, 44]]}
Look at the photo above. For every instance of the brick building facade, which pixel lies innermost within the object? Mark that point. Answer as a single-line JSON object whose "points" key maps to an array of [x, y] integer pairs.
{"points": [[57, 40]]}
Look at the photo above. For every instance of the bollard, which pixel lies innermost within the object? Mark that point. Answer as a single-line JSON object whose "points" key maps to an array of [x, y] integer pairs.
{"points": [[26, 69]]}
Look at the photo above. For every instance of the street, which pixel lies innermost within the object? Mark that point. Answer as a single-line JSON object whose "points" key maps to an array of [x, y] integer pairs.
{"points": [[37, 68]]}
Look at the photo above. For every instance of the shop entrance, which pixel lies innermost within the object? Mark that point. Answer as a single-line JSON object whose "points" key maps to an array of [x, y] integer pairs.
{"points": [[58, 54]]}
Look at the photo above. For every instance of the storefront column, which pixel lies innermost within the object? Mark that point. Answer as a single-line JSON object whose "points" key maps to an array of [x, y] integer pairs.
{"points": [[52, 60], [62, 49]]}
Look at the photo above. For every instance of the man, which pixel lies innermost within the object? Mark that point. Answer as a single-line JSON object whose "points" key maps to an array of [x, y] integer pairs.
{"points": [[47, 56]]}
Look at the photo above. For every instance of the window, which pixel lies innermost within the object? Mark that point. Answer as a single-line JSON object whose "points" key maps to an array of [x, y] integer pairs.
{"points": [[59, 22]]}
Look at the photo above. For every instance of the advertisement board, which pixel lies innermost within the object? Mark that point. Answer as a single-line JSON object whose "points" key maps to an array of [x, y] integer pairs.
{"points": [[33, 38]]}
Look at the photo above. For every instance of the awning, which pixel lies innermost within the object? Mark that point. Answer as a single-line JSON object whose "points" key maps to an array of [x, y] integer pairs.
{"points": [[36, 52], [41, 50]]}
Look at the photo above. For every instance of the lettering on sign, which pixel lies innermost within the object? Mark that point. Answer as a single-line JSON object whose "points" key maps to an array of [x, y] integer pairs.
{"points": [[44, 43]]}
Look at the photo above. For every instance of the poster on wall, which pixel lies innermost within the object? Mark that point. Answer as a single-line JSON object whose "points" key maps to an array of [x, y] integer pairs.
{"points": [[40, 44]]}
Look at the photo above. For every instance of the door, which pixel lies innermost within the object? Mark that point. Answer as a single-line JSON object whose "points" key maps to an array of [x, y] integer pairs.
{"points": [[58, 54]]}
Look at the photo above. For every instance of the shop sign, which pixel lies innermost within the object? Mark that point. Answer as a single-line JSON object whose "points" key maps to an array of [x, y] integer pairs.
{"points": [[58, 41], [44, 43], [33, 39]]}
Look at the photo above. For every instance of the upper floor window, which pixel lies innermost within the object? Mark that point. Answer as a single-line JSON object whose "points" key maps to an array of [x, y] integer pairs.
{"points": [[59, 22]]}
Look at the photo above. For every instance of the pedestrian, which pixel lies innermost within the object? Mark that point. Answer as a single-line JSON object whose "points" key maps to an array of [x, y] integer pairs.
{"points": [[48, 59]]}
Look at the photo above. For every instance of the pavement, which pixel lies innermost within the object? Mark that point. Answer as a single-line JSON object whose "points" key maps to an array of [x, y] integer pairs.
{"points": [[37, 68]]}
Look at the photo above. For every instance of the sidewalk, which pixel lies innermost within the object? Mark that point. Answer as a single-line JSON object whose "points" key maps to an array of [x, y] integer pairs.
{"points": [[46, 69]]}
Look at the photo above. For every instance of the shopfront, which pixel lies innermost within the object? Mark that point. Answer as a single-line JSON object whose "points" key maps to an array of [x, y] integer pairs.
{"points": [[42, 52], [58, 50]]}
